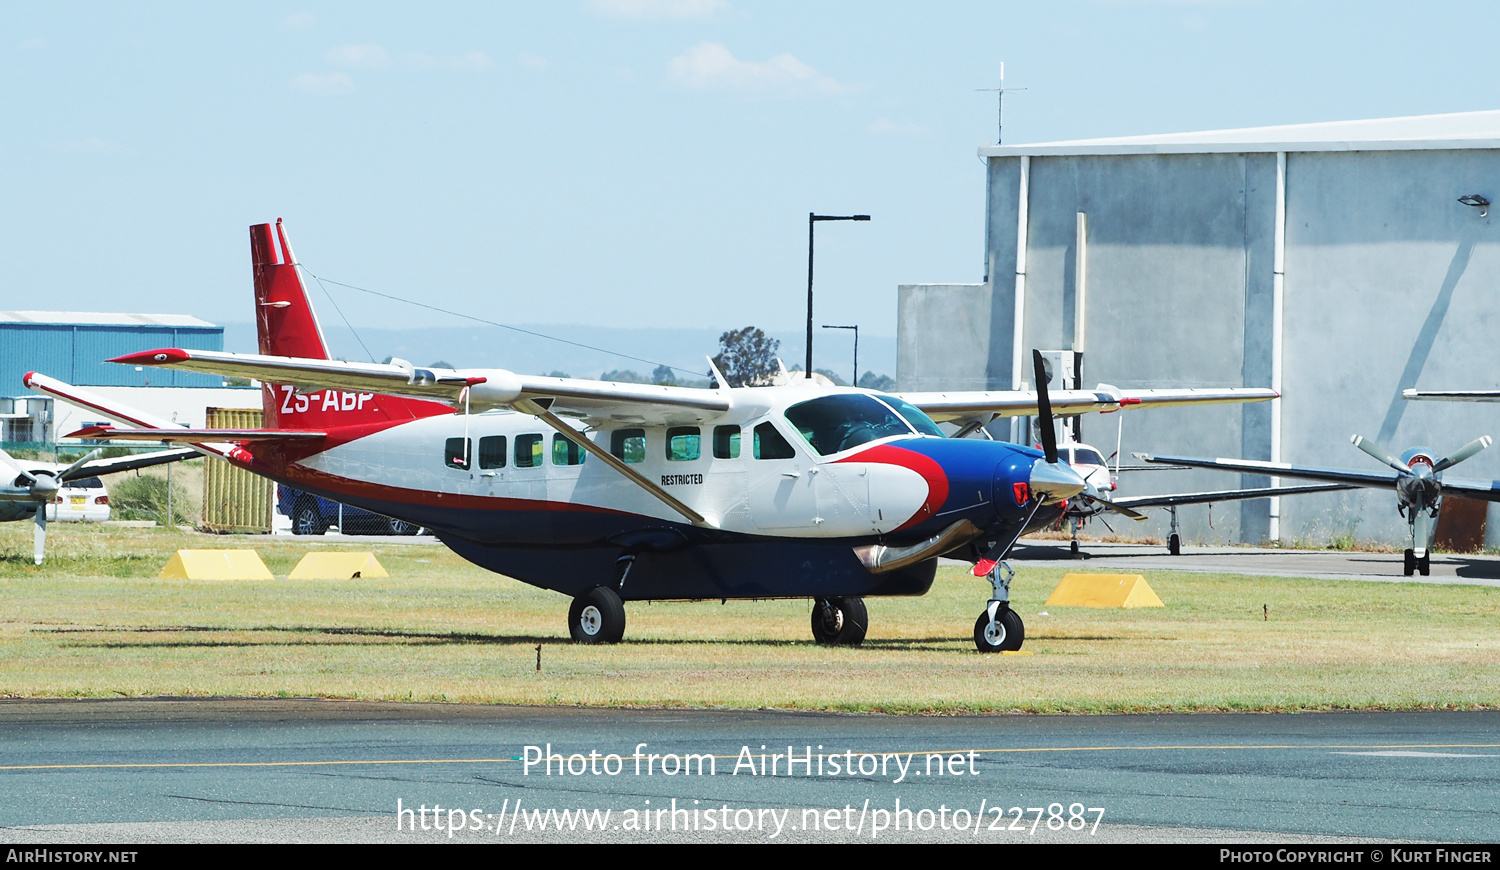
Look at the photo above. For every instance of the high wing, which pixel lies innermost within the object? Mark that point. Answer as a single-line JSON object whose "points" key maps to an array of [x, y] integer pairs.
{"points": [[1141, 501], [98, 467], [1452, 395], [1485, 490], [961, 406], [474, 389]]}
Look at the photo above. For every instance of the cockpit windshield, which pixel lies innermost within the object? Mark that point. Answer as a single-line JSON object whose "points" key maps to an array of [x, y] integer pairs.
{"points": [[914, 416], [833, 424]]}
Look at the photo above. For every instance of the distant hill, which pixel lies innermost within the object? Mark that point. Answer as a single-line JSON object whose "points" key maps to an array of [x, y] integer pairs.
{"points": [[493, 347]]}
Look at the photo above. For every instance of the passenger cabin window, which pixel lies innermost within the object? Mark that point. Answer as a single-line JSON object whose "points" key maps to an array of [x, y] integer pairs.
{"points": [[528, 451], [726, 442], [684, 444], [565, 451], [492, 451], [628, 444], [833, 424], [456, 453], [770, 445]]}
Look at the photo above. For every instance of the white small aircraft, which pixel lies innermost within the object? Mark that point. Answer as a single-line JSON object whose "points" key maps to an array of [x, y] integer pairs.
{"points": [[1418, 482], [1090, 463], [37, 484], [613, 492]]}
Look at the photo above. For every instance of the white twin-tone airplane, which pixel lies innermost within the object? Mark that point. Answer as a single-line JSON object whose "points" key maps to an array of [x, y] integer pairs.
{"points": [[613, 492]]}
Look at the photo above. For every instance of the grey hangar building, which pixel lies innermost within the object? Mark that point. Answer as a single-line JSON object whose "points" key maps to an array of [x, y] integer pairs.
{"points": [[1333, 262]]}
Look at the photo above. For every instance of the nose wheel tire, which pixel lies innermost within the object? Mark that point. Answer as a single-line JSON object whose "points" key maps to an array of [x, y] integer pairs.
{"points": [[1005, 634], [1408, 562], [839, 621], [1174, 545], [597, 616]]}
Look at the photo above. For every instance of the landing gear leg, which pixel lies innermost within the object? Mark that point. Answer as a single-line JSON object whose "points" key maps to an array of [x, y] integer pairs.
{"points": [[1174, 540], [999, 629]]}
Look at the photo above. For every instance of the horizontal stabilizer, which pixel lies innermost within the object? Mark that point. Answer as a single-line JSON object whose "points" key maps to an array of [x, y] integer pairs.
{"points": [[193, 436]]}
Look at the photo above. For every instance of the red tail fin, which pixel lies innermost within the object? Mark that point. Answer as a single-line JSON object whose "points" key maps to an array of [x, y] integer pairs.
{"points": [[284, 318], [287, 326]]}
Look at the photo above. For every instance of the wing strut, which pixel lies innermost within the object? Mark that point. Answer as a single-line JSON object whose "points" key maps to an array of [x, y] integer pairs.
{"points": [[530, 407]]}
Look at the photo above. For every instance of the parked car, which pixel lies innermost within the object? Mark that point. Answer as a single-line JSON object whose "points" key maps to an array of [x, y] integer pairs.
{"points": [[80, 501], [314, 515]]}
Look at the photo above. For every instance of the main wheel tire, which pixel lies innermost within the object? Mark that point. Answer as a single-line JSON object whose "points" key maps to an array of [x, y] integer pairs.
{"points": [[402, 527], [1174, 545], [1409, 562], [1006, 635], [1424, 565], [307, 521], [1074, 548], [842, 624], [597, 616]]}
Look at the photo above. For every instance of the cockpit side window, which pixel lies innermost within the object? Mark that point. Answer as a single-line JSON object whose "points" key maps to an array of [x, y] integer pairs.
{"points": [[770, 445], [833, 424]]}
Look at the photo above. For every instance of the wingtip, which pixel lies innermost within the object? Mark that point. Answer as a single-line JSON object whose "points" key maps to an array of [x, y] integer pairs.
{"points": [[157, 357]]}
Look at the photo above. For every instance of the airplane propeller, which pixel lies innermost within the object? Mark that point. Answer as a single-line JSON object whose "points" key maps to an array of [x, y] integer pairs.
{"points": [[1419, 488], [42, 489], [1050, 481]]}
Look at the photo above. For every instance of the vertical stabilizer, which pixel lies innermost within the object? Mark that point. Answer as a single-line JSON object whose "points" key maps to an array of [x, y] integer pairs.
{"points": [[286, 325], [284, 318]]}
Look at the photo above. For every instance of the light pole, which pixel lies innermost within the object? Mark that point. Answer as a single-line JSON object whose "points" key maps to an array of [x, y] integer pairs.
{"points": [[812, 220], [855, 382]]}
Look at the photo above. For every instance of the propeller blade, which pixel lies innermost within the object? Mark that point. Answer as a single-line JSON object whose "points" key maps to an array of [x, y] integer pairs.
{"points": [[1044, 408], [1379, 453], [39, 534], [1122, 511], [67, 473], [10, 460], [1463, 453]]}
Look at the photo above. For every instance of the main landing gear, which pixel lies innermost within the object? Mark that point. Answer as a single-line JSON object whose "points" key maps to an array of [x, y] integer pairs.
{"points": [[999, 629], [1174, 540], [597, 616], [839, 621]]}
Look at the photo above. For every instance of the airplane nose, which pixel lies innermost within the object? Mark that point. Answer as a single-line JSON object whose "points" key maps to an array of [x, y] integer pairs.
{"points": [[1055, 482]]}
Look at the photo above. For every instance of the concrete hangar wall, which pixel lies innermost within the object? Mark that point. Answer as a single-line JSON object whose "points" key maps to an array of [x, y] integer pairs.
{"points": [[1388, 282]]}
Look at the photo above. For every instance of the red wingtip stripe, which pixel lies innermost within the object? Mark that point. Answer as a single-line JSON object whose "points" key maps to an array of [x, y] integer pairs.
{"points": [[1124, 402], [90, 432], [158, 357]]}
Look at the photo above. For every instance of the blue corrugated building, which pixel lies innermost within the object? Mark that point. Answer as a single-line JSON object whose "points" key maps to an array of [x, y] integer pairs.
{"points": [[72, 346]]}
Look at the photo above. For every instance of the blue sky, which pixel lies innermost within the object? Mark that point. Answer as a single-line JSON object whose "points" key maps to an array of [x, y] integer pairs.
{"points": [[621, 162]]}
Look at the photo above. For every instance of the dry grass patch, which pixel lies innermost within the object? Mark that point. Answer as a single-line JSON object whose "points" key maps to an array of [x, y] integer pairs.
{"points": [[94, 621]]}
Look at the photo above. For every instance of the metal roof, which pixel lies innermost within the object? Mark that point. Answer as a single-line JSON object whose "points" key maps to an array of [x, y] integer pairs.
{"points": [[1459, 130], [94, 318]]}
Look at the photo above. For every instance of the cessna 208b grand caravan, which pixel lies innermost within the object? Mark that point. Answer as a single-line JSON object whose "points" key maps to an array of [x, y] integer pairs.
{"points": [[627, 492]]}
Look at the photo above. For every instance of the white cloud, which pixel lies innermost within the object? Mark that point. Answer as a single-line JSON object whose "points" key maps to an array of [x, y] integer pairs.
{"points": [[328, 85], [366, 56], [656, 10], [709, 66], [303, 20], [469, 61]]}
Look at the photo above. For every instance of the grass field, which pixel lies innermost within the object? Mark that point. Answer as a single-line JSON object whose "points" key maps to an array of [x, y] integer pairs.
{"points": [[93, 622]]}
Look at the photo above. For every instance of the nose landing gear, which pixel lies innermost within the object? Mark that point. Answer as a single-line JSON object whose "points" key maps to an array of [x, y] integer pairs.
{"points": [[999, 629]]}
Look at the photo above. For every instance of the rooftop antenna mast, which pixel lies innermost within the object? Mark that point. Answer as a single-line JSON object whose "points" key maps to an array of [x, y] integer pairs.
{"points": [[1000, 104]]}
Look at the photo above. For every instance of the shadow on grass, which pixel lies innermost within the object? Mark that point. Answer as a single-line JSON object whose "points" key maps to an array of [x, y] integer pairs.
{"points": [[415, 638]]}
